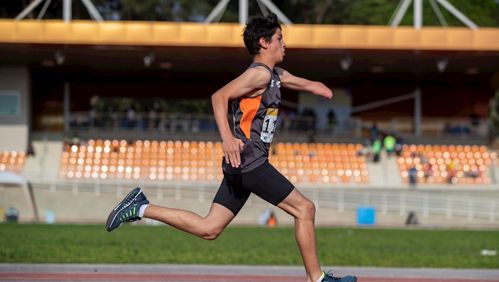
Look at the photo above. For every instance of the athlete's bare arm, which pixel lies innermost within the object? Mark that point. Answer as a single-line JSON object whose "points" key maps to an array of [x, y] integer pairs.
{"points": [[252, 81], [298, 83]]}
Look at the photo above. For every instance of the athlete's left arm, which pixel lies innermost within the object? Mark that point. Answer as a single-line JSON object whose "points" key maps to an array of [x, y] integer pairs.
{"points": [[299, 83]]}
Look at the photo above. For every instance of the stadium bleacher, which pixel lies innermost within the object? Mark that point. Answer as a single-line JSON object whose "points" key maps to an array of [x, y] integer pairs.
{"points": [[442, 164], [200, 161], [311, 163], [12, 161], [321, 163], [151, 160]]}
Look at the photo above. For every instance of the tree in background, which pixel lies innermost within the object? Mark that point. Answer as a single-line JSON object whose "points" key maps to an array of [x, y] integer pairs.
{"points": [[359, 12]]}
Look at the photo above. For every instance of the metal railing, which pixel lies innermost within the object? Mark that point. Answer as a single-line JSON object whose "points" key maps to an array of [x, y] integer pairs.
{"points": [[465, 204]]}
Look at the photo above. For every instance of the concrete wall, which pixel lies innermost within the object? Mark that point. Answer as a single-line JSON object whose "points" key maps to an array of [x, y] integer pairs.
{"points": [[14, 128]]}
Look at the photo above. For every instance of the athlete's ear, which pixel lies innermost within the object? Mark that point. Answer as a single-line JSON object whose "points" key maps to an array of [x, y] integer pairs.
{"points": [[263, 43]]}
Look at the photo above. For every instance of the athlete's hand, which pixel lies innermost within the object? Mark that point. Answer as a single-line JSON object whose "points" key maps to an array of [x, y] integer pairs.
{"points": [[323, 90], [232, 148]]}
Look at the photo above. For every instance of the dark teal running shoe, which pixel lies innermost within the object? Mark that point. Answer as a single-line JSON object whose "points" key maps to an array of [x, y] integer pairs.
{"points": [[328, 277], [127, 210]]}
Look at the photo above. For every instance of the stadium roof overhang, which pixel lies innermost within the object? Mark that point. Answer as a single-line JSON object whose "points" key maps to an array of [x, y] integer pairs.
{"points": [[218, 47], [229, 35]]}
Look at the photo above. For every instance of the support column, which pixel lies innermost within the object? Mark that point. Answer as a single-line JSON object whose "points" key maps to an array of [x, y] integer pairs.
{"points": [[418, 14], [66, 11], [243, 11], [67, 107], [417, 112]]}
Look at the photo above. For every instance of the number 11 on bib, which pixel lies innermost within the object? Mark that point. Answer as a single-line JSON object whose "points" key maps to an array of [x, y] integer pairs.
{"points": [[269, 124]]}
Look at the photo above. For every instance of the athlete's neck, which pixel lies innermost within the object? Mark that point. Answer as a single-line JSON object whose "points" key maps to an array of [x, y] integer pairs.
{"points": [[259, 59]]}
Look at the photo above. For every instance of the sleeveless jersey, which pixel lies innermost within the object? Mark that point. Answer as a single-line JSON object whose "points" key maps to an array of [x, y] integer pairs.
{"points": [[254, 122]]}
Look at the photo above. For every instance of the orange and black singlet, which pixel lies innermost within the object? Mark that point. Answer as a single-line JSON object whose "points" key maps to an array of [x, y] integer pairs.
{"points": [[254, 121]]}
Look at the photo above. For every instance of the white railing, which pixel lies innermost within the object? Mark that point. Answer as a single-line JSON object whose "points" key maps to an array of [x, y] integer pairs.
{"points": [[425, 203], [466, 204]]}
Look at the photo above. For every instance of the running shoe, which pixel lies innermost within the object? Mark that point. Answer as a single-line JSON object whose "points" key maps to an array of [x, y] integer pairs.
{"points": [[328, 277], [127, 210]]}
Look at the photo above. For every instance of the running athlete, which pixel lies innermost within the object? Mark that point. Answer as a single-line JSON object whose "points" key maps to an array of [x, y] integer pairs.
{"points": [[254, 99]]}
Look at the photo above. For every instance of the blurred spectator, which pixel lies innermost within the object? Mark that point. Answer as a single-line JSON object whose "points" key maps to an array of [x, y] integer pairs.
{"points": [[377, 147], [389, 144], [293, 124], [423, 158], [473, 172], [366, 150], [456, 129], [31, 150], [474, 122], [447, 128], [413, 176], [12, 215], [130, 118], [75, 140], [398, 145], [309, 119], [374, 132], [474, 119], [92, 117], [412, 219], [94, 100], [268, 218], [331, 118], [311, 136], [272, 220], [451, 173], [427, 172]]}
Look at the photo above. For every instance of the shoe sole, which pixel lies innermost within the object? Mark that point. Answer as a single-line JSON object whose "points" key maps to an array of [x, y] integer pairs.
{"points": [[112, 216]]}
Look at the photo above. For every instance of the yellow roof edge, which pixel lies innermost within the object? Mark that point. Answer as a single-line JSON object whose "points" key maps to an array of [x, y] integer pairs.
{"points": [[84, 32]]}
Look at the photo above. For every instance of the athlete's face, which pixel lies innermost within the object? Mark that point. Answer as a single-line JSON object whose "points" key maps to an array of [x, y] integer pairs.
{"points": [[277, 47]]}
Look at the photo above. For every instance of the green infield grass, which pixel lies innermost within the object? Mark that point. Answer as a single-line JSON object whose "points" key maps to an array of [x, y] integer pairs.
{"points": [[26, 243]]}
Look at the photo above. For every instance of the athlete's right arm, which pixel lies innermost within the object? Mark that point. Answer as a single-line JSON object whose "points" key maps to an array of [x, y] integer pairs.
{"points": [[249, 82]]}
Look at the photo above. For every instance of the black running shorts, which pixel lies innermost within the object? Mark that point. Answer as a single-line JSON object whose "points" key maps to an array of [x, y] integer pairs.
{"points": [[265, 181]]}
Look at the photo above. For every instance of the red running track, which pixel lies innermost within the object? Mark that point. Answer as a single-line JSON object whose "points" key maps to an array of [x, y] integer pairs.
{"points": [[76, 276]]}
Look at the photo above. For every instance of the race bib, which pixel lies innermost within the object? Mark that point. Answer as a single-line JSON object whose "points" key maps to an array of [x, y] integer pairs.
{"points": [[269, 124]]}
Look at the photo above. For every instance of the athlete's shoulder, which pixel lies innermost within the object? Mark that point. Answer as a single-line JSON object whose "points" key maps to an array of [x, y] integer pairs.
{"points": [[258, 75]]}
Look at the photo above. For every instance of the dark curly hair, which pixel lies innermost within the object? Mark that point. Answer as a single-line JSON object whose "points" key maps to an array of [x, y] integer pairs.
{"points": [[257, 28]]}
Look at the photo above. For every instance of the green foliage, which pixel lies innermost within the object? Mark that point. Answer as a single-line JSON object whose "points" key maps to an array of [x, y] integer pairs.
{"points": [[246, 245], [165, 10], [482, 13], [370, 12], [359, 12]]}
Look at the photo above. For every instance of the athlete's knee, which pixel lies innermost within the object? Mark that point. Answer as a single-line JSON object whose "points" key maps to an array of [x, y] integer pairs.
{"points": [[307, 210], [211, 233]]}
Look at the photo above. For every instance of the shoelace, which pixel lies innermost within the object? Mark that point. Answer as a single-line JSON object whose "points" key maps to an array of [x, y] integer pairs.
{"points": [[130, 199]]}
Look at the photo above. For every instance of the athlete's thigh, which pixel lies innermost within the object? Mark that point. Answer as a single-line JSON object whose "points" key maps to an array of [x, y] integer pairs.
{"points": [[231, 195], [268, 183]]}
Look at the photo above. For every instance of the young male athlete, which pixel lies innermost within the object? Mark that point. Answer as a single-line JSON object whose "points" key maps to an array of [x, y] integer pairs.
{"points": [[254, 99]]}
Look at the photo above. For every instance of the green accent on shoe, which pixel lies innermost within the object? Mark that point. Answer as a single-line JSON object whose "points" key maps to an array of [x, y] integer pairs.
{"points": [[127, 210]]}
